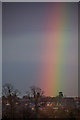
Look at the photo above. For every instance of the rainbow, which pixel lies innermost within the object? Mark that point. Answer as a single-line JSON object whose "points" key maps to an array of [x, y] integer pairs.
{"points": [[54, 48]]}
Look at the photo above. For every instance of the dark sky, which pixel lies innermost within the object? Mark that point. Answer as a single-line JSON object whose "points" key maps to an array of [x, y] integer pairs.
{"points": [[22, 44]]}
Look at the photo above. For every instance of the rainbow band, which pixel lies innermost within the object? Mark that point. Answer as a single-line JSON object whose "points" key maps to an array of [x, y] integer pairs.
{"points": [[55, 47]]}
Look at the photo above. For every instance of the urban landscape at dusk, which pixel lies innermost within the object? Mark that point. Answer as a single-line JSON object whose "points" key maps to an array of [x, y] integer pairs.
{"points": [[36, 105], [40, 59]]}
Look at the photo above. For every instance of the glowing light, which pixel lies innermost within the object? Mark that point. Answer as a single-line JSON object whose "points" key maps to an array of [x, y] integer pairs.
{"points": [[26, 104], [32, 108], [16, 103], [7, 104]]}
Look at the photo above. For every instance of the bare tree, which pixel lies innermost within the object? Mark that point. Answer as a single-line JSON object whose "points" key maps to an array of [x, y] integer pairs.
{"points": [[7, 90], [10, 94], [36, 93]]}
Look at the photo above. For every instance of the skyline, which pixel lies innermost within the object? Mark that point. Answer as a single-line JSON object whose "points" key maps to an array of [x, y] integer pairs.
{"points": [[40, 46]]}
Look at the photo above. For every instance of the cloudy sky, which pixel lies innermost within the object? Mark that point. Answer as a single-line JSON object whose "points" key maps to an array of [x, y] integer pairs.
{"points": [[26, 54]]}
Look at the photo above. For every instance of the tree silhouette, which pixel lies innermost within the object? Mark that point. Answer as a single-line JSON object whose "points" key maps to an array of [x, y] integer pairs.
{"points": [[10, 94], [60, 94], [36, 93]]}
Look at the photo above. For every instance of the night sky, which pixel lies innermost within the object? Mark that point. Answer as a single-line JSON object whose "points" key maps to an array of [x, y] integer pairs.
{"points": [[26, 27]]}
